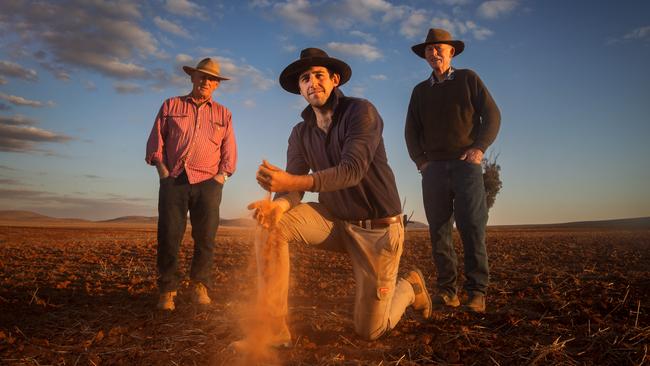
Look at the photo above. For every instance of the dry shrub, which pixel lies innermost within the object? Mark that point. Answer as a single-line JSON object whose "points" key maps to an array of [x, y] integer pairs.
{"points": [[491, 179]]}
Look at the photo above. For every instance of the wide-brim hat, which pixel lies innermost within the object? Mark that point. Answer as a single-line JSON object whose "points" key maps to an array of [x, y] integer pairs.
{"points": [[207, 66], [312, 57], [436, 35]]}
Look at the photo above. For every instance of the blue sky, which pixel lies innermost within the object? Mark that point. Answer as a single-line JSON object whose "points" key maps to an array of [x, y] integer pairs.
{"points": [[81, 83]]}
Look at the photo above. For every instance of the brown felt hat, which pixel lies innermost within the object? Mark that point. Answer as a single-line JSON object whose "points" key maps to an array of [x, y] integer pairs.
{"points": [[437, 35], [312, 57], [207, 66]]}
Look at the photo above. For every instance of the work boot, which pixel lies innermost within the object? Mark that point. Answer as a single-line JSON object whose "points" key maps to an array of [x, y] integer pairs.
{"points": [[200, 294], [280, 337], [476, 302], [166, 301], [422, 298], [442, 299]]}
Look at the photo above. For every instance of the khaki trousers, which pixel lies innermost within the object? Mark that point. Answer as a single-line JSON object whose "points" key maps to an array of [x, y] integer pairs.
{"points": [[380, 299]]}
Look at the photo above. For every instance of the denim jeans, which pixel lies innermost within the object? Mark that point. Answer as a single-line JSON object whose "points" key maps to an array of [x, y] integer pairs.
{"points": [[175, 198], [453, 189]]}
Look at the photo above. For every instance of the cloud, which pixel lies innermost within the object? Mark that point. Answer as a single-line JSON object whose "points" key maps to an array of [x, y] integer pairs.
{"points": [[17, 120], [17, 134], [185, 8], [3, 81], [94, 35], [127, 88], [379, 77], [89, 85], [91, 176], [20, 101], [243, 74], [171, 27], [4, 107], [14, 70], [297, 13], [249, 103], [494, 9], [458, 27], [641, 33], [363, 50], [365, 36], [413, 25], [9, 182]]}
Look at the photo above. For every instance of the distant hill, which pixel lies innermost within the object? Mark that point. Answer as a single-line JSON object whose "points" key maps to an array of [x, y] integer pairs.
{"points": [[18, 215], [637, 223], [133, 220]]}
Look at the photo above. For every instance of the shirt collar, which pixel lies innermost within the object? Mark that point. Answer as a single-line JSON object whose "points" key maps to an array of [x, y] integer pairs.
{"points": [[308, 114], [449, 75], [188, 98]]}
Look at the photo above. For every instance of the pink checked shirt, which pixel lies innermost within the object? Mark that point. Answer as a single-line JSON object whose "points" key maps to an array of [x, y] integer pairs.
{"points": [[199, 140]]}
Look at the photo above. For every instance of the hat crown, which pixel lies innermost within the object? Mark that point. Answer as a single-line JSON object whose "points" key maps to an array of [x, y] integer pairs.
{"points": [[210, 65], [312, 52], [438, 35]]}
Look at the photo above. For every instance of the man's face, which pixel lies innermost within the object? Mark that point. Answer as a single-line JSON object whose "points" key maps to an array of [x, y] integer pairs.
{"points": [[439, 56], [203, 84], [316, 85]]}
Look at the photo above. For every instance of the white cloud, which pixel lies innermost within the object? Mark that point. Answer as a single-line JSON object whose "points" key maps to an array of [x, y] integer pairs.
{"points": [[185, 8], [459, 28], [20, 101], [297, 12], [171, 27], [17, 120], [379, 77], [249, 103], [17, 134], [413, 25], [363, 50], [365, 36], [494, 9], [2, 80], [14, 70]]}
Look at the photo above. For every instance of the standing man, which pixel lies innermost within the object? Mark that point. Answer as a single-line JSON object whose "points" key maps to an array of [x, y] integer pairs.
{"points": [[192, 144], [338, 151], [451, 121]]}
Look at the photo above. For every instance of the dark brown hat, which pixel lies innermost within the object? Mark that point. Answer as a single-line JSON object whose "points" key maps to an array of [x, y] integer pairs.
{"points": [[312, 57], [436, 35], [206, 66]]}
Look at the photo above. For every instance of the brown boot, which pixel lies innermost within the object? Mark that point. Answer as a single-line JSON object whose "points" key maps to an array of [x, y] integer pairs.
{"points": [[476, 302], [422, 298], [442, 299], [166, 301], [200, 294]]}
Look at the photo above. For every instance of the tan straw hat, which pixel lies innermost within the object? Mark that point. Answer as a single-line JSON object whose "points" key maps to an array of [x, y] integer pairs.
{"points": [[207, 66], [436, 35]]}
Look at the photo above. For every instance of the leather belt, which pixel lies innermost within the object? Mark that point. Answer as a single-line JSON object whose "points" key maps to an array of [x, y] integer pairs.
{"points": [[376, 223]]}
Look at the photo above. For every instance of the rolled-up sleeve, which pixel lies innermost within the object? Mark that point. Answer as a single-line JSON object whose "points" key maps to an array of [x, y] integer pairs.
{"points": [[296, 164], [364, 134], [228, 162], [156, 141]]}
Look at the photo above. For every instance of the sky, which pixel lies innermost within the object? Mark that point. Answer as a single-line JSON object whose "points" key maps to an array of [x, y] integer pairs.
{"points": [[81, 83]]}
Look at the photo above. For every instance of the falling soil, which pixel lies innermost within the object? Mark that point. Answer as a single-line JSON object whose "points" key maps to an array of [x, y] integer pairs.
{"points": [[87, 296]]}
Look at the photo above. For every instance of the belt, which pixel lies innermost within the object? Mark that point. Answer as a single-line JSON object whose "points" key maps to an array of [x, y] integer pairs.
{"points": [[376, 223]]}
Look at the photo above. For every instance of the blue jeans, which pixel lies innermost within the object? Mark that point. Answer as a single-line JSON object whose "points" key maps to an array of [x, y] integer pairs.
{"points": [[175, 198], [453, 189]]}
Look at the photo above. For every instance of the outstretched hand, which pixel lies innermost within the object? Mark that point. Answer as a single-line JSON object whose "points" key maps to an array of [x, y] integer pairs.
{"points": [[268, 213], [273, 179]]}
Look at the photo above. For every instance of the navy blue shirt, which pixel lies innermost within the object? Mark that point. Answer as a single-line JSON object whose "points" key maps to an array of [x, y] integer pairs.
{"points": [[348, 163]]}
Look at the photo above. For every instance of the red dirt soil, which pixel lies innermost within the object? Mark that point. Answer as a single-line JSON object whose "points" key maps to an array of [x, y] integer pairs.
{"points": [[87, 296]]}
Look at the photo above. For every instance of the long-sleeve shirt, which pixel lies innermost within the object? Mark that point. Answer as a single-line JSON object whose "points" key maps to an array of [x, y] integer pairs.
{"points": [[445, 118], [197, 139], [349, 163]]}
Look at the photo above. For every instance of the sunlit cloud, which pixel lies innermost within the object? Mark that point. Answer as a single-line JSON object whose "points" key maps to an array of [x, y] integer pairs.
{"points": [[94, 35], [298, 13], [365, 36], [11, 69], [459, 28], [171, 27], [494, 9], [185, 8], [414, 25], [20, 101], [249, 103], [18, 134], [10, 182], [362, 50], [641, 33], [379, 77]]}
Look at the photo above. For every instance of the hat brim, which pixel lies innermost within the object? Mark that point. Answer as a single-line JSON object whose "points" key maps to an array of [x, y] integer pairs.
{"points": [[190, 70], [290, 74], [459, 46]]}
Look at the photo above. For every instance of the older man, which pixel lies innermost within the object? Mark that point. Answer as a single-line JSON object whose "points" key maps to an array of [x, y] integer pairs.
{"points": [[338, 151], [192, 145], [451, 121]]}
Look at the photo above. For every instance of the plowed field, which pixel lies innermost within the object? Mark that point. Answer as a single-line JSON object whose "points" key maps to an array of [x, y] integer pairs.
{"points": [[86, 296]]}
